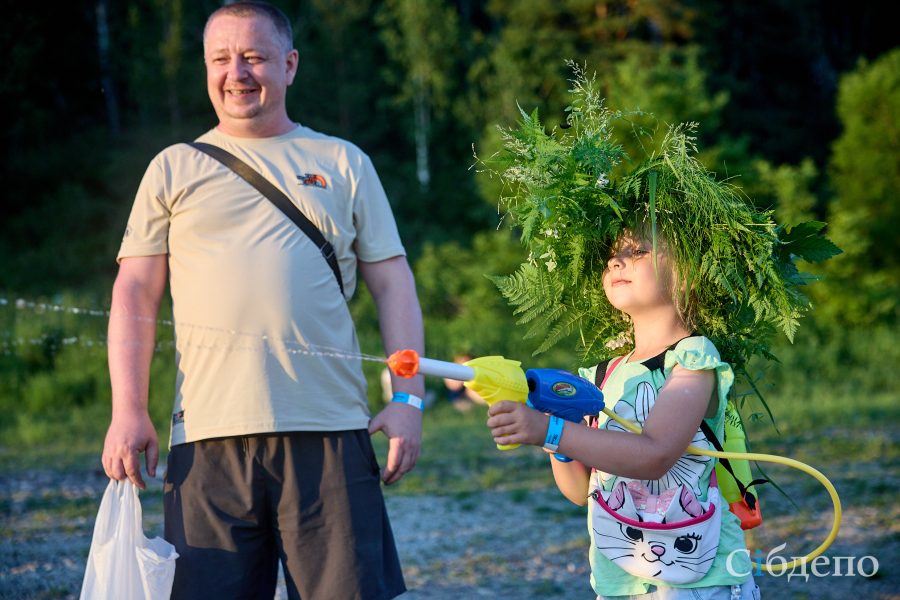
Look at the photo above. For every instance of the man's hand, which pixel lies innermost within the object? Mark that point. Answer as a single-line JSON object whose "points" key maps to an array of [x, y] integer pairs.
{"points": [[393, 288], [402, 424], [514, 423], [127, 437]]}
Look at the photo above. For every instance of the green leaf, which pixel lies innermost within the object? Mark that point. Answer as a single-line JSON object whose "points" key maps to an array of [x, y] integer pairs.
{"points": [[804, 240]]}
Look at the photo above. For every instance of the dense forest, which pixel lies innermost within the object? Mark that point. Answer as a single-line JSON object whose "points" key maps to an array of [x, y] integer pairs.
{"points": [[796, 101]]}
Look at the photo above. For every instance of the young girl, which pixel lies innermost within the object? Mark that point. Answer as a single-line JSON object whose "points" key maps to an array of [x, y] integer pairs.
{"points": [[671, 381], [658, 261]]}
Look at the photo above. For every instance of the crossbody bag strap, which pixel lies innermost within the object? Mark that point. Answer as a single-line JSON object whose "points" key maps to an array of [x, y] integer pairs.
{"points": [[279, 199], [711, 436], [601, 374], [604, 370]]}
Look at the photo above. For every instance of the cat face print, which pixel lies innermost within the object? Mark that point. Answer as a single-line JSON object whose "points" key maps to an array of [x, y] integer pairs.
{"points": [[673, 538]]}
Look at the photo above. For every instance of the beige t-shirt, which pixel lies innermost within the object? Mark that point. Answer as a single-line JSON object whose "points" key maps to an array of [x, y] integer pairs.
{"points": [[260, 324]]}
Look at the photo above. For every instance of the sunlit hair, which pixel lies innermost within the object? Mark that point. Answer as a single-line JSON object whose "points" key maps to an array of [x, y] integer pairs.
{"points": [[254, 8], [641, 236]]}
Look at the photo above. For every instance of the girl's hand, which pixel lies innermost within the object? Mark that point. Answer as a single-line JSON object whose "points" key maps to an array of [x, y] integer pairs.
{"points": [[514, 423]]}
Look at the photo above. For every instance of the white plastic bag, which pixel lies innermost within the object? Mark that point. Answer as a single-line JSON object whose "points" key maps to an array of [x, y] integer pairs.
{"points": [[123, 564]]}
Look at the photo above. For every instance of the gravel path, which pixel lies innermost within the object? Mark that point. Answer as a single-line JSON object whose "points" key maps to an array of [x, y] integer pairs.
{"points": [[488, 545]]}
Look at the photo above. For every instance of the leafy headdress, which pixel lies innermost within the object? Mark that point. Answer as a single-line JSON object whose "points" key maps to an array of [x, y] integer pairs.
{"points": [[571, 193]]}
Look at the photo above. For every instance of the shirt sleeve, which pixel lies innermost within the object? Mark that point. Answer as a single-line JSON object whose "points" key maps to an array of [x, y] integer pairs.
{"points": [[377, 237], [147, 231], [698, 353], [589, 373]]}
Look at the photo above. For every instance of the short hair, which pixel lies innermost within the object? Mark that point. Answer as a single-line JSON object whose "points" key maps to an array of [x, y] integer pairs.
{"points": [[257, 8]]}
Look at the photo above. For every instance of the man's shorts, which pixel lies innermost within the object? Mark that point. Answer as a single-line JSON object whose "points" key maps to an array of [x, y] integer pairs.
{"points": [[235, 507]]}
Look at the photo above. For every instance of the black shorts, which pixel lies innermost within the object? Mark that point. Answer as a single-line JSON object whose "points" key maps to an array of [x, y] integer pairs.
{"points": [[235, 507]]}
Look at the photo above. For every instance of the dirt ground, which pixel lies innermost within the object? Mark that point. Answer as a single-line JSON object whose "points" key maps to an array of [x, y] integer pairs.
{"points": [[485, 545]]}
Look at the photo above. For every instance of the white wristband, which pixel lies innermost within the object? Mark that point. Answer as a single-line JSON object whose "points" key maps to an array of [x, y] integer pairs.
{"points": [[412, 399]]}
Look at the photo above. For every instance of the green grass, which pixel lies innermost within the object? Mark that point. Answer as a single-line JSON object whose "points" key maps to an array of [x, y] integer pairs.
{"points": [[61, 441], [459, 457]]}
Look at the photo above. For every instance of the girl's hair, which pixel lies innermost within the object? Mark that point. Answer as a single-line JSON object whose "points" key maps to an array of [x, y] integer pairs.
{"points": [[683, 298]]}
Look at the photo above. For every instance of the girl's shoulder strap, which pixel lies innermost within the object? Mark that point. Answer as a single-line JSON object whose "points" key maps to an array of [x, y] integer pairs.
{"points": [[604, 370], [653, 364], [658, 362]]}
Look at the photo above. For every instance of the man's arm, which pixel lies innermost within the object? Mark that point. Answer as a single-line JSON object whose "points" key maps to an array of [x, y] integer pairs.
{"points": [[136, 295], [400, 318]]}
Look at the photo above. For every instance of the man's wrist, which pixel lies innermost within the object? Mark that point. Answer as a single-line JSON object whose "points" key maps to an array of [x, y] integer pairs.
{"points": [[411, 399]]}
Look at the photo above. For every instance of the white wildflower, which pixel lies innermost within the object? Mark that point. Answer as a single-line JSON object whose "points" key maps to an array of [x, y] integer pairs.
{"points": [[616, 343], [602, 180], [551, 263]]}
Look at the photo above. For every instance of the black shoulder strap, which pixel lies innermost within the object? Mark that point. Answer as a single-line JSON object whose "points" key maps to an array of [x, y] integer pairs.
{"points": [[600, 373], [751, 500], [279, 199]]}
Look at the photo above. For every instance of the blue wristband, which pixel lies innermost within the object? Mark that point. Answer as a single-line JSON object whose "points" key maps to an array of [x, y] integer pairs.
{"points": [[411, 399], [554, 433]]}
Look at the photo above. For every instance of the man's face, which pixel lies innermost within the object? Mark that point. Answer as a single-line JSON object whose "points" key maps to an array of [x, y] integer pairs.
{"points": [[248, 72]]}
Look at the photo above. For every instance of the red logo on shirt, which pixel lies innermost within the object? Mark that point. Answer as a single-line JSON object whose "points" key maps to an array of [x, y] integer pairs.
{"points": [[312, 179]]}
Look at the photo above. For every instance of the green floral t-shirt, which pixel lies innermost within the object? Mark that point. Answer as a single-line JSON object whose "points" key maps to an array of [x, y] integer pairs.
{"points": [[631, 390]]}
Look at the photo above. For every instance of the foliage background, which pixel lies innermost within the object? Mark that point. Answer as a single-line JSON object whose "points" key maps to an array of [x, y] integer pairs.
{"points": [[797, 103]]}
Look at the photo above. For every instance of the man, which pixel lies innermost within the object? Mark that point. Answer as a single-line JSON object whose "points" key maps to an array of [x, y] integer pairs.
{"points": [[270, 452]]}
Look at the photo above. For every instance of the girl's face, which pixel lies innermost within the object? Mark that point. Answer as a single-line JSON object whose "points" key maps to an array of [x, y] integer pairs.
{"points": [[630, 280]]}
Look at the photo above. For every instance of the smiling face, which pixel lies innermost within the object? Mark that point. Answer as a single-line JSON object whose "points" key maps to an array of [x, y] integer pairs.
{"points": [[248, 71]]}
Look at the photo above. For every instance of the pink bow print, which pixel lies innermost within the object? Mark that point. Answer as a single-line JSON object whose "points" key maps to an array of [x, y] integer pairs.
{"points": [[644, 501]]}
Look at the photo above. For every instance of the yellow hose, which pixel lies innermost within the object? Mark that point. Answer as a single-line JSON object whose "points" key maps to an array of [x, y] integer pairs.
{"points": [[790, 462]]}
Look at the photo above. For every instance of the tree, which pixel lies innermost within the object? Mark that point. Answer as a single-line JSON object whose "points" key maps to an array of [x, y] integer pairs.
{"points": [[464, 313], [791, 189], [113, 122], [864, 216], [780, 61], [421, 38]]}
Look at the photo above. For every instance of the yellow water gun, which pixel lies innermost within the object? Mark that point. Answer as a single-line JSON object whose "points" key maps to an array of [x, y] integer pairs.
{"points": [[494, 378]]}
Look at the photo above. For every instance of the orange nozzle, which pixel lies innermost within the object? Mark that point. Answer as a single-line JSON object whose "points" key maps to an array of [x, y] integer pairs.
{"points": [[404, 363], [750, 517]]}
